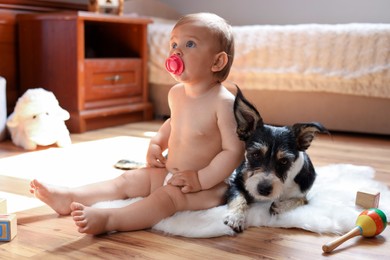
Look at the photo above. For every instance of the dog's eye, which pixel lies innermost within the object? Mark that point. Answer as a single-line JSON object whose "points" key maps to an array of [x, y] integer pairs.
{"points": [[283, 161], [34, 116], [255, 155]]}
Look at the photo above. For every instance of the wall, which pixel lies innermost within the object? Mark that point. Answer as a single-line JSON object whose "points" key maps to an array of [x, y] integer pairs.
{"points": [[240, 12]]}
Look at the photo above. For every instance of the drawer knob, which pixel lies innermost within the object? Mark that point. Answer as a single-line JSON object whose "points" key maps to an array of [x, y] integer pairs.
{"points": [[114, 78]]}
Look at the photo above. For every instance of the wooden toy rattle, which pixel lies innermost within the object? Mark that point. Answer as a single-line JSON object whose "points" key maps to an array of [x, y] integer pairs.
{"points": [[370, 222]]}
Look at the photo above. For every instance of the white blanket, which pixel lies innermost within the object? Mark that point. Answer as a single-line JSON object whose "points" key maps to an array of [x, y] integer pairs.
{"points": [[343, 58], [331, 207]]}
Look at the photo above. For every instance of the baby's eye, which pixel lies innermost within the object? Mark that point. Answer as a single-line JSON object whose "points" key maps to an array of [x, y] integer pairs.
{"points": [[174, 45], [191, 44]]}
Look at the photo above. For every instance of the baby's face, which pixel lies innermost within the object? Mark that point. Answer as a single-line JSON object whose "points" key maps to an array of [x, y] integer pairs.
{"points": [[196, 46]]}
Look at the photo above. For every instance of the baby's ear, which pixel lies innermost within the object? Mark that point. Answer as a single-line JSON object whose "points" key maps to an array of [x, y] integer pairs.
{"points": [[220, 61]]}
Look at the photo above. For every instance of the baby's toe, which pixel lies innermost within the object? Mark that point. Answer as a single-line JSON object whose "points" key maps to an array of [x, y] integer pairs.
{"points": [[76, 206], [78, 217], [81, 229], [81, 223]]}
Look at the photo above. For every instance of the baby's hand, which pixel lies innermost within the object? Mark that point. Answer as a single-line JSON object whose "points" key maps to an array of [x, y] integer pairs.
{"points": [[188, 180], [154, 156]]}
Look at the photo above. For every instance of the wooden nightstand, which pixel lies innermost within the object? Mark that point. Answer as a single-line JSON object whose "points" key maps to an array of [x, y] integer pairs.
{"points": [[95, 64]]}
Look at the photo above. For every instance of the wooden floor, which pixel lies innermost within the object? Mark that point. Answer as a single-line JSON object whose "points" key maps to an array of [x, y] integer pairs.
{"points": [[44, 235]]}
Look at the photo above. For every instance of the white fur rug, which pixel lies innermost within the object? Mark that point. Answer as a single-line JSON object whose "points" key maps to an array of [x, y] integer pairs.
{"points": [[331, 207]]}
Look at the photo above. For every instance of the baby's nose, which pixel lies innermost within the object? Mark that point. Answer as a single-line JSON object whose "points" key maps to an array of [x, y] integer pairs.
{"points": [[177, 52]]}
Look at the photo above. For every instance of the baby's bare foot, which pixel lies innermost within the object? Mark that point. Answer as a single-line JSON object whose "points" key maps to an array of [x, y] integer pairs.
{"points": [[90, 220], [59, 199]]}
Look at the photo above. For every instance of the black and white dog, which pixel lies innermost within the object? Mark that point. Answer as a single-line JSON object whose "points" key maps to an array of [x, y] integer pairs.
{"points": [[276, 167]]}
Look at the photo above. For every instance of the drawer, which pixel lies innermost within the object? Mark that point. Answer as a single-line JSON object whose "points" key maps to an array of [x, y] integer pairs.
{"points": [[112, 78]]}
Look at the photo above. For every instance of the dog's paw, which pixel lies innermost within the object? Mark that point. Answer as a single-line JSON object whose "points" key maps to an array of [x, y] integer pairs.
{"points": [[235, 221], [275, 209]]}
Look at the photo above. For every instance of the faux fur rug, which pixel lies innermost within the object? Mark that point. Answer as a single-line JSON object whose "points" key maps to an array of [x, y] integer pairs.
{"points": [[331, 207]]}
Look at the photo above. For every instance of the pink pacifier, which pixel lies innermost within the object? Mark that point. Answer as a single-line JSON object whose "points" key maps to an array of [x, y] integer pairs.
{"points": [[174, 64]]}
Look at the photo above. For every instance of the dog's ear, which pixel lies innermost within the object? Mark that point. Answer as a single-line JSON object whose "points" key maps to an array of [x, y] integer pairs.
{"points": [[305, 133], [247, 116]]}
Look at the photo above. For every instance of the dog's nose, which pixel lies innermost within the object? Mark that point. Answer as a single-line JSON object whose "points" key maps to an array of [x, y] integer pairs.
{"points": [[264, 189]]}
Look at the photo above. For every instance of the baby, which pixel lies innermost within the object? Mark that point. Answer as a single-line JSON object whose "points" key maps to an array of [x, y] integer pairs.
{"points": [[200, 136]]}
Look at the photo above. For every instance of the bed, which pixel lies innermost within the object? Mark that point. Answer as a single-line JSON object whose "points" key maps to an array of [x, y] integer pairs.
{"points": [[338, 75]]}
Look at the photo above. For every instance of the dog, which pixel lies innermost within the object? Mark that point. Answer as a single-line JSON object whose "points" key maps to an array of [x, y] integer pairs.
{"points": [[276, 167]]}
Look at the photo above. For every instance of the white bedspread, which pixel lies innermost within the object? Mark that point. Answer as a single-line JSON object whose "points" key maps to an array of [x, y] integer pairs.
{"points": [[345, 58]]}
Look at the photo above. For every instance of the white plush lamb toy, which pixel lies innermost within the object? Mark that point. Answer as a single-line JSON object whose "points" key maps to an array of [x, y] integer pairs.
{"points": [[38, 119]]}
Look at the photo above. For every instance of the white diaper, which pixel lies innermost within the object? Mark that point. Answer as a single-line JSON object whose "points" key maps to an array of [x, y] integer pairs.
{"points": [[167, 178]]}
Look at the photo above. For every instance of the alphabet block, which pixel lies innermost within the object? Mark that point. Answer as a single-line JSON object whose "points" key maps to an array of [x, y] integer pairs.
{"points": [[8, 227], [367, 199]]}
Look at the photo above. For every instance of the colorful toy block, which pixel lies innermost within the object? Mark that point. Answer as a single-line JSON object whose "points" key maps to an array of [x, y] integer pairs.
{"points": [[367, 199], [8, 227]]}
